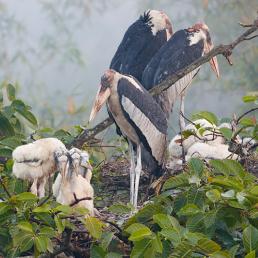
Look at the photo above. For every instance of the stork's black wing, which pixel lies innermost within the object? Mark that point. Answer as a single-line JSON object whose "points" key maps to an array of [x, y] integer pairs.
{"points": [[137, 48], [145, 116], [175, 55]]}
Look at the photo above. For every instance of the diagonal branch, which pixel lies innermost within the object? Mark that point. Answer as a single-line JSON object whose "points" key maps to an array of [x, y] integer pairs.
{"points": [[225, 50]]}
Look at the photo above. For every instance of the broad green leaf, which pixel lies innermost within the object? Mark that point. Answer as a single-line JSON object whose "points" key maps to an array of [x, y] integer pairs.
{"points": [[6, 152], [176, 181], [4, 207], [105, 240], [196, 166], [63, 208], [6, 129], [227, 183], [41, 243], [113, 255], [135, 227], [250, 98], [59, 224], [226, 132], [47, 232], [250, 238], [183, 250], [29, 116], [220, 254], [172, 235], [140, 234], [42, 208], [97, 251], [189, 210], [209, 116], [26, 244], [25, 226], [247, 121], [251, 255], [119, 209], [140, 247], [254, 190], [10, 89], [208, 246], [157, 244], [94, 226], [26, 196], [213, 195], [11, 142]]}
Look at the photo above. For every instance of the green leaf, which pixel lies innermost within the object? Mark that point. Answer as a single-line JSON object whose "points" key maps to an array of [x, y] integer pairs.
{"points": [[97, 251], [25, 226], [250, 238], [26, 197], [208, 246], [140, 248], [213, 195], [47, 232], [140, 234], [227, 183], [172, 235], [183, 250], [11, 142], [196, 166], [105, 240], [119, 209], [29, 116], [6, 152], [210, 117], [226, 132], [41, 243], [250, 98], [59, 224], [251, 255], [94, 226], [42, 208], [113, 255], [247, 121], [176, 181], [6, 129], [254, 190], [220, 254], [10, 89], [189, 210]]}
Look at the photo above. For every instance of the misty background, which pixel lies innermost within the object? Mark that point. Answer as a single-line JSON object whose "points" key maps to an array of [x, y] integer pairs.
{"points": [[55, 52]]}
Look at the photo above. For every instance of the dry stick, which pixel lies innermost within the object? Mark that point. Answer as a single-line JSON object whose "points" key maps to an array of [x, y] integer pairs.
{"points": [[76, 200], [225, 50]]}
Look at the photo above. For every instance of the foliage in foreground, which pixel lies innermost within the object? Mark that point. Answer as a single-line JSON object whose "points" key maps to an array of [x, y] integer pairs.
{"points": [[207, 211]]}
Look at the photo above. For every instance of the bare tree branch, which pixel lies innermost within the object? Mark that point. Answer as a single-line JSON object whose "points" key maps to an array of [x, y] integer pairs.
{"points": [[225, 50]]}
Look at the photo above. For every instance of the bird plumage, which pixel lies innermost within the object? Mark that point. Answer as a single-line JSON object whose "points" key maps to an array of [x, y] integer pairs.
{"points": [[140, 42], [36, 161]]}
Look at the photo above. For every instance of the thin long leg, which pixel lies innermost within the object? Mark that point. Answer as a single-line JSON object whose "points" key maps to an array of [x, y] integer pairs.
{"points": [[34, 188], [41, 188], [138, 171], [132, 172], [182, 111]]}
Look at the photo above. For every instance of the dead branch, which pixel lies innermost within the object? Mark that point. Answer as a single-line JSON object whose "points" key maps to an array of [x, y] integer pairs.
{"points": [[76, 200], [225, 50]]}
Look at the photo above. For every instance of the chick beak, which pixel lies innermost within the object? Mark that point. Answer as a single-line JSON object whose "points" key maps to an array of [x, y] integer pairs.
{"points": [[102, 96]]}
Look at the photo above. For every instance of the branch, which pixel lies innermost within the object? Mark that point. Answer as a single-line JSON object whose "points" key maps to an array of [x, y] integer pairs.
{"points": [[249, 111], [76, 200], [225, 50]]}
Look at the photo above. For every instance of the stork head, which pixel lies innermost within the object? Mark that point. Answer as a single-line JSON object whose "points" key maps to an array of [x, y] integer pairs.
{"points": [[103, 92], [200, 31], [158, 20], [61, 159], [75, 158]]}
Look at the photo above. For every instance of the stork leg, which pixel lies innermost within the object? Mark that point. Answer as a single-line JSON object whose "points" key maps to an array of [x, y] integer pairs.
{"points": [[138, 171], [41, 189], [132, 172], [182, 112], [34, 188]]}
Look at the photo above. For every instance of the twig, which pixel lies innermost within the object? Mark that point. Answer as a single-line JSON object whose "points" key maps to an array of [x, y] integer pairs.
{"points": [[76, 200], [247, 112], [249, 38], [225, 50]]}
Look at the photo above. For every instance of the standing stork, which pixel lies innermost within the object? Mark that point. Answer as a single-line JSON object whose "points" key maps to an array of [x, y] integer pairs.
{"points": [[183, 48], [141, 42], [139, 118]]}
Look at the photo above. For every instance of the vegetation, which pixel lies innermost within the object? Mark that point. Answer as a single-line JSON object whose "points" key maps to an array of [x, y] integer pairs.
{"points": [[208, 210]]}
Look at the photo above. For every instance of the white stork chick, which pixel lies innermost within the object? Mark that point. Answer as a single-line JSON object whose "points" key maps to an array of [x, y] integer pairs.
{"points": [[207, 152], [72, 184], [81, 163], [37, 161]]}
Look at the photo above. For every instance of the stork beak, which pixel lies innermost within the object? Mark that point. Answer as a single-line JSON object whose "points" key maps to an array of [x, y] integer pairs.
{"points": [[213, 62], [76, 168], [102, 96], [86, 165]]}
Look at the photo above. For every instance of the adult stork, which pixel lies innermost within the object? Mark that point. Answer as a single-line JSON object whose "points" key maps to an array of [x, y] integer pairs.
{"points": [[139, 117], [140, 42], [183, 48]]}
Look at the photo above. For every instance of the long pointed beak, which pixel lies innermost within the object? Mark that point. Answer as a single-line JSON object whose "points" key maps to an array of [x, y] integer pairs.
{"points": [[213, 62], [100, 100]]}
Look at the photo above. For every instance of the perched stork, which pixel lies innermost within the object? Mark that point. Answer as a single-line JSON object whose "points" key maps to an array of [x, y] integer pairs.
{"points": [[139, 118], [183, 48], [39, 160], [140, 42]]}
